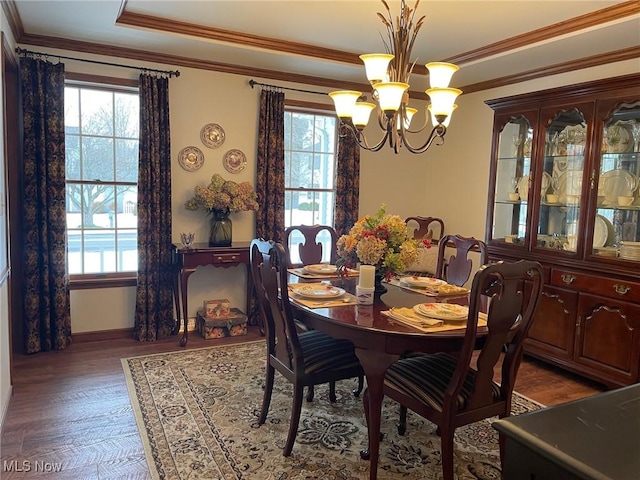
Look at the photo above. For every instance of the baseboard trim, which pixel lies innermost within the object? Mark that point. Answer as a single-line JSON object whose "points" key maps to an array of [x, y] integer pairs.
{"points": [[102, 335], [117, 333]]}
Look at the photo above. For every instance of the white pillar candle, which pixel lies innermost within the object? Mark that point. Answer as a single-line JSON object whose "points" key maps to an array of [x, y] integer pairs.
{"points": [[367, 276]]}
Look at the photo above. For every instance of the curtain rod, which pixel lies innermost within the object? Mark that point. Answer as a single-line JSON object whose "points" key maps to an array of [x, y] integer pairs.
{"points": [[252, 83], [24, 52]]}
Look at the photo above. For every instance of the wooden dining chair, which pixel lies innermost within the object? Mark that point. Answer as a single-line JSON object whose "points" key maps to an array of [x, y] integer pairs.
{"points": [[310, 250], [304, 358], [425, 228], [457, 268], [447, 389]]}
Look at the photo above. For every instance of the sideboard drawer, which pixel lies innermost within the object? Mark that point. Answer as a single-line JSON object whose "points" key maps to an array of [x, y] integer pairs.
{"points": [[235, 257], [605, 286], [229, 256]]}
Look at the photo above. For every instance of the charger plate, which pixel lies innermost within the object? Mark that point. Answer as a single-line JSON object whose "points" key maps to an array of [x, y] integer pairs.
{"points": [[317, 290], [442, 311], [320, 269]]}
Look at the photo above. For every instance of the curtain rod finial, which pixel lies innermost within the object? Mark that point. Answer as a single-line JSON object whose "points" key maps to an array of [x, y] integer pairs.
{"points": [[252, 83]]}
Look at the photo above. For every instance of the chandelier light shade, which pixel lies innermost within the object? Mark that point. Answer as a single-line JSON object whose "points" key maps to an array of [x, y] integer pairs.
{"points": [[389, 74]]}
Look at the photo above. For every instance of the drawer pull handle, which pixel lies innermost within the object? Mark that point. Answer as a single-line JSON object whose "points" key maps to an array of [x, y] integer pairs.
{"points": [[621, 289], [227, 260], [567, 278]]}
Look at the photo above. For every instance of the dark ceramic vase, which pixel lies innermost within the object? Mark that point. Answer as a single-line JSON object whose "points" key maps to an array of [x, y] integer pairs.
{"points": [[221, 229]]}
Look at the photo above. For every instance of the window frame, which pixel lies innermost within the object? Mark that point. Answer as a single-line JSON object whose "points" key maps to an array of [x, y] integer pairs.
{"points": [[325, 110], [311, 108], [80, 281]]}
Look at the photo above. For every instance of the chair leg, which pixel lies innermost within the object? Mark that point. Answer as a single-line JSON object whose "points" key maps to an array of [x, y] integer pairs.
{"points": [[402, 421], [295, 419], [446, 445], [332, 392], [266, 398], [358, 391], [310, 393]]}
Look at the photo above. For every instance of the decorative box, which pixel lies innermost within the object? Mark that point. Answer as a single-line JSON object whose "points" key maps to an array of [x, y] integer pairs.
{"points": [[232, 325], [216, 308]]}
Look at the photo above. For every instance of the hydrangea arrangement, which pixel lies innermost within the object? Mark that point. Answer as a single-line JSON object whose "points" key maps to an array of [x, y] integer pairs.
{"points": [[223, 196], [381, 240]]}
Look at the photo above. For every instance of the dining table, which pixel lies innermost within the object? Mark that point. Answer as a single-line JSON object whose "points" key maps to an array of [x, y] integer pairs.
{"points": [[379, 340]]}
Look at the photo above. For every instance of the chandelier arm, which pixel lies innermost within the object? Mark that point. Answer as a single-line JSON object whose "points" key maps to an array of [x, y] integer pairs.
{"points": [[435, 137], [424, 125], [361, 140]]}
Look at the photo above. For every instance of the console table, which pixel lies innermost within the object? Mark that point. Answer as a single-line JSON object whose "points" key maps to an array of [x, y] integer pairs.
{"points": [[187, 260], [596, 438]]}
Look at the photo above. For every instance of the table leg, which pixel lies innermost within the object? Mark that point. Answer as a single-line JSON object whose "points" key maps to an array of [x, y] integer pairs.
{"points": [[374, 364], [176, 299], [184, 280]]}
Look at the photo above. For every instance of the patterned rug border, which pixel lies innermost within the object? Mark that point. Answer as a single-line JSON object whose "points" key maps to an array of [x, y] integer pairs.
{"points": [[163, 463], [135, 405]]}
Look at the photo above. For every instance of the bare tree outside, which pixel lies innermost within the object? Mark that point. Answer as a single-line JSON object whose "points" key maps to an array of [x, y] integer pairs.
{"points": [[102, 148]]}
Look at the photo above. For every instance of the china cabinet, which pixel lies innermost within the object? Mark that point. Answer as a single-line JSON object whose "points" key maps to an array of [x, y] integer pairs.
{"points": [[564, 190]]}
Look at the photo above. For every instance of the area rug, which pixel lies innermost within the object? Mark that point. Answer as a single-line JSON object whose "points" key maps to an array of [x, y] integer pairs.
{"points": [[197, 412]]}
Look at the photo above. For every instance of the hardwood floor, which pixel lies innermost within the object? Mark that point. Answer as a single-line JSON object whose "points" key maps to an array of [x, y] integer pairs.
{"points": [[71, 408]]}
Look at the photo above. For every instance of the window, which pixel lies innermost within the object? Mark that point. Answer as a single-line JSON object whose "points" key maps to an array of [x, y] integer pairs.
{"points": [[101, 131], [310, 164]]}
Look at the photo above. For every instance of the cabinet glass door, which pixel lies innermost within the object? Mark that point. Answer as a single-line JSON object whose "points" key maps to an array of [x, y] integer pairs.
{"points": [[560, 195], [616, 229], [512, 181]]}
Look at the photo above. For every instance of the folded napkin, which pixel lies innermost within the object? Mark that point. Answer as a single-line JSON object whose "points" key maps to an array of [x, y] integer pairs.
{"points": [[407, 316]]}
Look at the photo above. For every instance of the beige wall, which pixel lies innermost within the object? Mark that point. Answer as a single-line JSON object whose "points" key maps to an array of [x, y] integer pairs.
{"points": [[5, 380]]}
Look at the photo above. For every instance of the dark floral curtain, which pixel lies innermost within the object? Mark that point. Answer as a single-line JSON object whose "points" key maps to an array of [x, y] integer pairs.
{"points": [[347, 182], [154, 299], [47, 311], [270, 168]]}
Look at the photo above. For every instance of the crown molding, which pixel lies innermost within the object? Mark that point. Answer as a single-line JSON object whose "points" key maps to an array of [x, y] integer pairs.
{"points": [[589, 20], [610, 14], [579, 64], [13, 18]]}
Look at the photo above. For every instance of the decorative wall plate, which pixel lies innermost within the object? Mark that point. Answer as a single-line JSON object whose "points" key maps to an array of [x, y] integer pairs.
{"points": [[212, 135], [234, 161], [190, 158]]}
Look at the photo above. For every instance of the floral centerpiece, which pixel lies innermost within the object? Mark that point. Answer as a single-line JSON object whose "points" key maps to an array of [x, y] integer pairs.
{"points": [[381, 240], [219, 198]]}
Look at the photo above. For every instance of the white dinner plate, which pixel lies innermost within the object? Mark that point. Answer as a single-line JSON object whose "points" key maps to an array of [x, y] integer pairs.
{"points": [[523, 186], [321, 269], [601, 231], [616, 183], [421, 282], [319, 291], [442, 311]]}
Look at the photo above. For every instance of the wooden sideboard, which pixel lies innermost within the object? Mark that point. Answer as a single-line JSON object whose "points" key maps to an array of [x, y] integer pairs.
{"points": [[187, 260]]}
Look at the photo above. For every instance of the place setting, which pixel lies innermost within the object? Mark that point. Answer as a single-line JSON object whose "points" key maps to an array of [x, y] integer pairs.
{"points": [[320, 295], [432, 287], [321, 271], [434, 316]]}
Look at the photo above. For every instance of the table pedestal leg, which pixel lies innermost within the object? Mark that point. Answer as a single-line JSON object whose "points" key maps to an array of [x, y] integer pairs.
{"points": [[184, 280], [375, 365]]}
